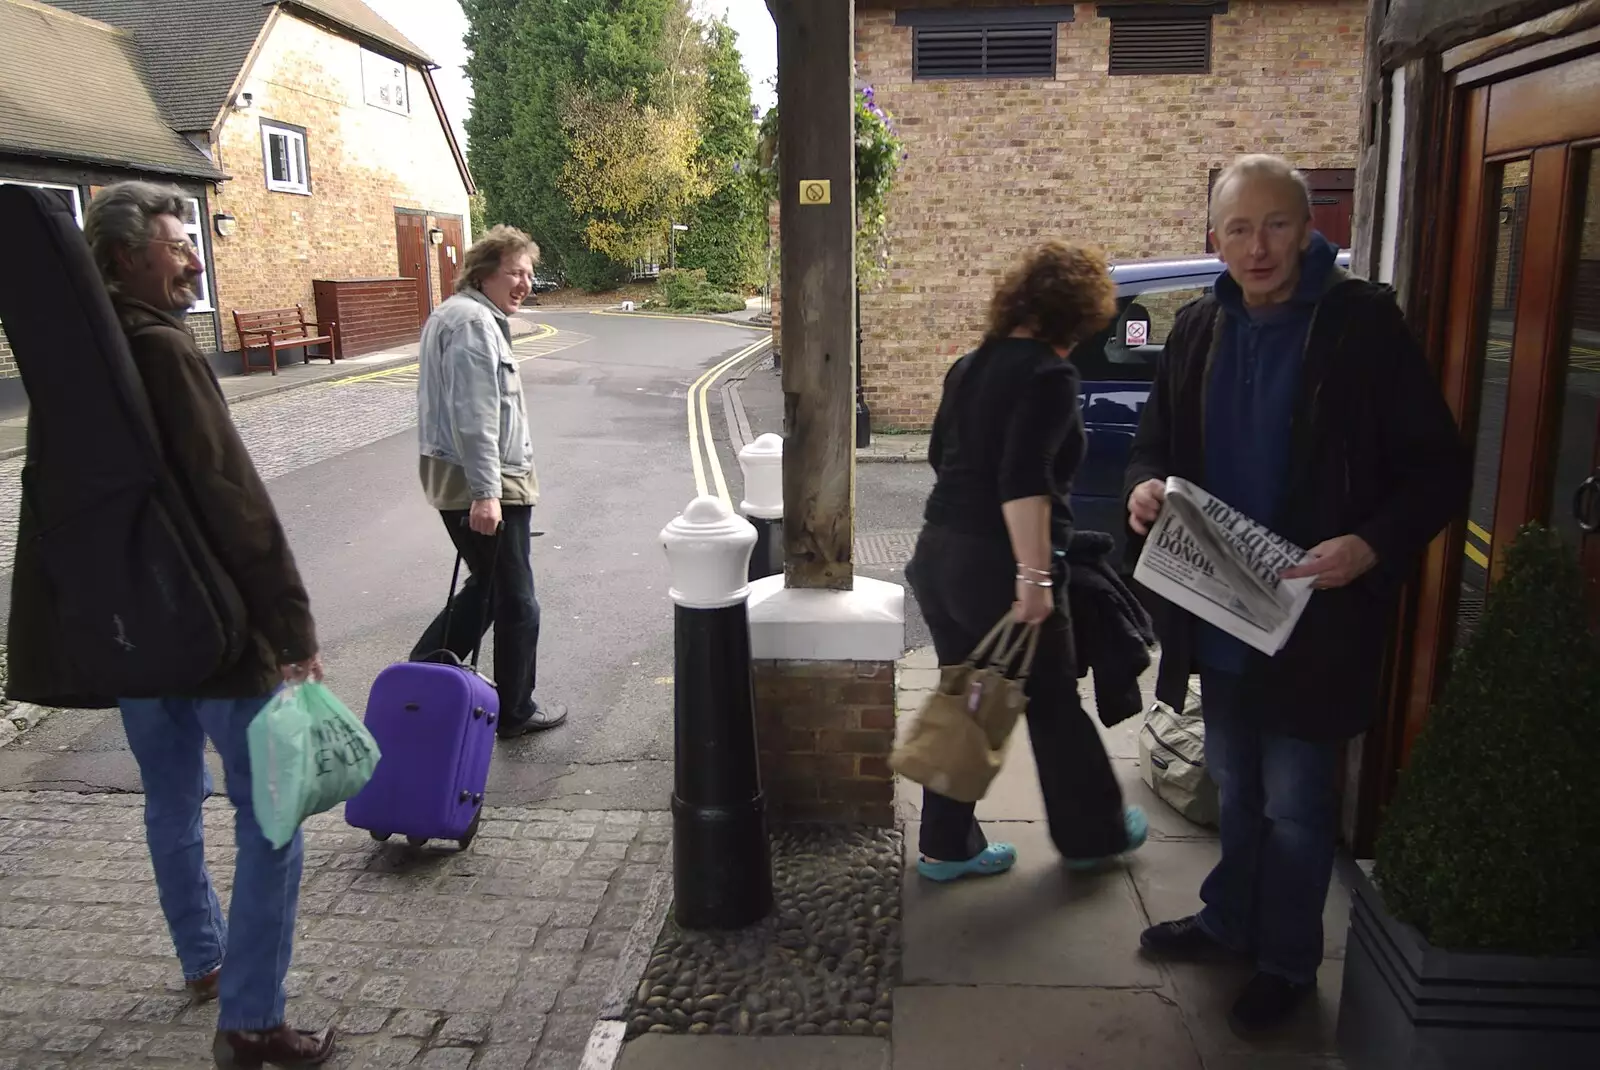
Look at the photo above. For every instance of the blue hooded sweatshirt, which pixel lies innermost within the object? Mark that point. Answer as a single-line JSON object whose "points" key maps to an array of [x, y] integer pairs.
{"points": [[1250, 402]]}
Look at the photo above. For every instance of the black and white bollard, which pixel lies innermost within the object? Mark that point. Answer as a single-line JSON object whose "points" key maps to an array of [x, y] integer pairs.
{"points": [[762, 461], [722, 868]]}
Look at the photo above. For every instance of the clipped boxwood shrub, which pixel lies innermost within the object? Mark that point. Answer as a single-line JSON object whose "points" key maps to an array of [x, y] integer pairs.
{"points": [[688, 291], [1493, 839]]}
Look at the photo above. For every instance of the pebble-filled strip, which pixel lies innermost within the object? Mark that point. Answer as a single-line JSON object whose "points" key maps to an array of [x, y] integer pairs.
{"points": [[825, 962]]}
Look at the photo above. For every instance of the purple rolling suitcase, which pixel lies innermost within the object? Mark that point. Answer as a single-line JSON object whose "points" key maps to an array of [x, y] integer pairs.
{"points": [[434, 721]]}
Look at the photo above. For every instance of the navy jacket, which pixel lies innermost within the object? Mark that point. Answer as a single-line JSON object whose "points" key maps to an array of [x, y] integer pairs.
{"points": [[1373, 451]]}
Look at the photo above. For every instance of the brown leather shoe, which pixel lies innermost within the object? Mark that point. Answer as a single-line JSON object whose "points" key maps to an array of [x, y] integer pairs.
{"points": [[204, 989], [243, 1049]]}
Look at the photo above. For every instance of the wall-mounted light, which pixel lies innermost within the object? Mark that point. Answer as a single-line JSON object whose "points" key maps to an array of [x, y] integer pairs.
{"points": [[244, 100], [225, 224], [435, 236]]}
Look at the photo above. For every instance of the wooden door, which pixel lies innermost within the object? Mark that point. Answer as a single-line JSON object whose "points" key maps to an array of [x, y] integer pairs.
{"points": [[1331, 212], [1333, 202], [411, 240], [450, 253], [1521, 361], [1574, 506]]}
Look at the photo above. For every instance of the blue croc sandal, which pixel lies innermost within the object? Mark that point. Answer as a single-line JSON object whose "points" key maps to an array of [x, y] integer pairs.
{"points": [[993, 859], [1138, 826]]}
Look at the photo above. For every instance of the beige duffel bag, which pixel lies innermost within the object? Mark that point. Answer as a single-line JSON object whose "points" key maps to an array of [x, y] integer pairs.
{"points": [[1172, 758]]}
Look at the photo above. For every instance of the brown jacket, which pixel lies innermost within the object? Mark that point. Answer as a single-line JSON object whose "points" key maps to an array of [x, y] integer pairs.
{"points": [[209, 462]]}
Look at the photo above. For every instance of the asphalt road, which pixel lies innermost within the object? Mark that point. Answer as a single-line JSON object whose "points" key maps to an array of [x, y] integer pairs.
{"points": [[606, 398]]}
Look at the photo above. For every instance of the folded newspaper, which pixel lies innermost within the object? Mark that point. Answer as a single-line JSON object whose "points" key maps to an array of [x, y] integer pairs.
{"points": [[1223, 567]]}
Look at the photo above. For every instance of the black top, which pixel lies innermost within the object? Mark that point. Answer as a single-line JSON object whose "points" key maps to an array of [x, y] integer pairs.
{"points": [[1008, 427]]}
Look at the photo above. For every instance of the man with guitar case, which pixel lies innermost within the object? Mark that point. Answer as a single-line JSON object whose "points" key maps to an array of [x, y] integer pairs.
{"points": [[152, 573]]}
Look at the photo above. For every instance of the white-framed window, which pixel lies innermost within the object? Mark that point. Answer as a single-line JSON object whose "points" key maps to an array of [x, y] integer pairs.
{"points": [[283, 151], [69, 192], [194, 228]]}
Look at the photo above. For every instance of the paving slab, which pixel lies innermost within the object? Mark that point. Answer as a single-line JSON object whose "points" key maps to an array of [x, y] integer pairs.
{"points": [[1170, 873], [1019, 1028], [1273, 1061], [656, 1052], [1206, 991], [1039, 924]]}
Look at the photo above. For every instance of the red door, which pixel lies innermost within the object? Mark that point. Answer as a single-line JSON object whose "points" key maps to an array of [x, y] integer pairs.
{"points": [[450, 253], [411, 239]]}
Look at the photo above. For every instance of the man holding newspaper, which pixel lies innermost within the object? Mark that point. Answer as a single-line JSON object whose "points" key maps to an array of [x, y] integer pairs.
{"points": [[1292, 409]]}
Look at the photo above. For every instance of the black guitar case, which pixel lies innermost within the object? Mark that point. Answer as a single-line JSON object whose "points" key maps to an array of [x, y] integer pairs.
{"points": [[114, 593]]}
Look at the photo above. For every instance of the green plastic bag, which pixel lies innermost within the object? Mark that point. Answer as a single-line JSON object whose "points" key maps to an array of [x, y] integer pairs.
{"points": [[308, 753]]}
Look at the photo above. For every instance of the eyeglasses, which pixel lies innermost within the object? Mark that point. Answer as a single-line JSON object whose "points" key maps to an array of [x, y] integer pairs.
{"points": [[183, 246]]}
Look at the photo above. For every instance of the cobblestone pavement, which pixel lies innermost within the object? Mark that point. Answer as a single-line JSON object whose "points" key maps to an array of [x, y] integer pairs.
{"points": [[498, 958]]}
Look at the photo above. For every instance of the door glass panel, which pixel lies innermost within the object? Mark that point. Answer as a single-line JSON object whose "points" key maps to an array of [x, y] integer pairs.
{"points": [[1507, 234], [1578, 439]]}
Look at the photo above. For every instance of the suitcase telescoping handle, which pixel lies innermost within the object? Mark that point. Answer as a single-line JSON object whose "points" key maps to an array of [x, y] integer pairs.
{"points": [[488, 597]]}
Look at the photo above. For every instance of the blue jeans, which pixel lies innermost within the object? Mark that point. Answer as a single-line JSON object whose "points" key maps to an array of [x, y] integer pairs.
{"points": [[168, 739], [1279, 821]]}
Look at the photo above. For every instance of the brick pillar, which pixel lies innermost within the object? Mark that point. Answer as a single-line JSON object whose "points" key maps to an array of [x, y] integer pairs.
{"points": [[824, 689], [824, 730]]}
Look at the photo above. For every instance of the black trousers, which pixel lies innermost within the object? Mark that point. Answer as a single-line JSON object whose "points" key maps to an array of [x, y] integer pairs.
{"points": [[515, 613], [964, 584]]}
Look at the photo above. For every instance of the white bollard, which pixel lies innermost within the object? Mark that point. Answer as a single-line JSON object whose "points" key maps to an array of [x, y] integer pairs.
{"points": [[721, 864], [762, 462]]}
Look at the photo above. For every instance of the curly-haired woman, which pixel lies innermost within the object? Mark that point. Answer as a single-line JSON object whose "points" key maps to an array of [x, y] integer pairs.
{"points": [[1006, 444]]}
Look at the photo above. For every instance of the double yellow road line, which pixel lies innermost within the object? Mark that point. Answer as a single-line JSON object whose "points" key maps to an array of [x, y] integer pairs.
{"points": [[700, 422]]}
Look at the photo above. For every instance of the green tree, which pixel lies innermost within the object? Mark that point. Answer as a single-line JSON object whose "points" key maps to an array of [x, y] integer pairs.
{"points": [[725, 234], [528, 59]]}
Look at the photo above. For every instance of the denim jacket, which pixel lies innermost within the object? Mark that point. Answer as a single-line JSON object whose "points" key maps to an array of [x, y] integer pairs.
{"points": [[469, 394]]}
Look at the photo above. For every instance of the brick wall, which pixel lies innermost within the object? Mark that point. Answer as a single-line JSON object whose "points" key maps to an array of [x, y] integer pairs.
{"points": [[364, 162], [8, 360], [998, 165], [824, 729]]}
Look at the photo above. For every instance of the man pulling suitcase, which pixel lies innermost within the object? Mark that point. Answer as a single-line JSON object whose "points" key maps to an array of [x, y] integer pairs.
{"points": [[477, 469]]}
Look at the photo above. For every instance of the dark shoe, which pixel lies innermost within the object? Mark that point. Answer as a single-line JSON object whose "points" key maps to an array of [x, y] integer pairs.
{"points": [[542, 718], [204, 989], [1267, 1002], [1182, 939], [284, 1047]]}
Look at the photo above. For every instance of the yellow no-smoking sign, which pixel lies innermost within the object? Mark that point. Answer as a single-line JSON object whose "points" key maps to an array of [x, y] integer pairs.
{"points": [[815, 191]]}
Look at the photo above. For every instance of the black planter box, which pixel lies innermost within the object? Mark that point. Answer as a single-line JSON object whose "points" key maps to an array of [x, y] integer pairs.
{"points": [[1407, 1005]]}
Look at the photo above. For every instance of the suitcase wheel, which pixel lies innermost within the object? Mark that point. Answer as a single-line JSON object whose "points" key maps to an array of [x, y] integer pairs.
{"points": [[380, 836], [417, 841], [472, 831]]}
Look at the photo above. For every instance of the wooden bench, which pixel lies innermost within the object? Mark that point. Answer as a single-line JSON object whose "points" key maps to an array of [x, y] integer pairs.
{"points": [[281, 328]]}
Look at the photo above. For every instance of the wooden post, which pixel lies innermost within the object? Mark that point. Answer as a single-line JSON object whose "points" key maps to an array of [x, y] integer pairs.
{"points": [[816, 146]]}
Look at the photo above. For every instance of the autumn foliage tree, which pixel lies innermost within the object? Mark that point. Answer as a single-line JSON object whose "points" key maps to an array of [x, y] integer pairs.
{"points": [[632, 169]]}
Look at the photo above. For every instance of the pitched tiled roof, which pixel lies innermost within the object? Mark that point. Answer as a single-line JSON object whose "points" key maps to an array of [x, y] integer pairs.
{"points": [[193, 50], [365, 22], [70, 89]]}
